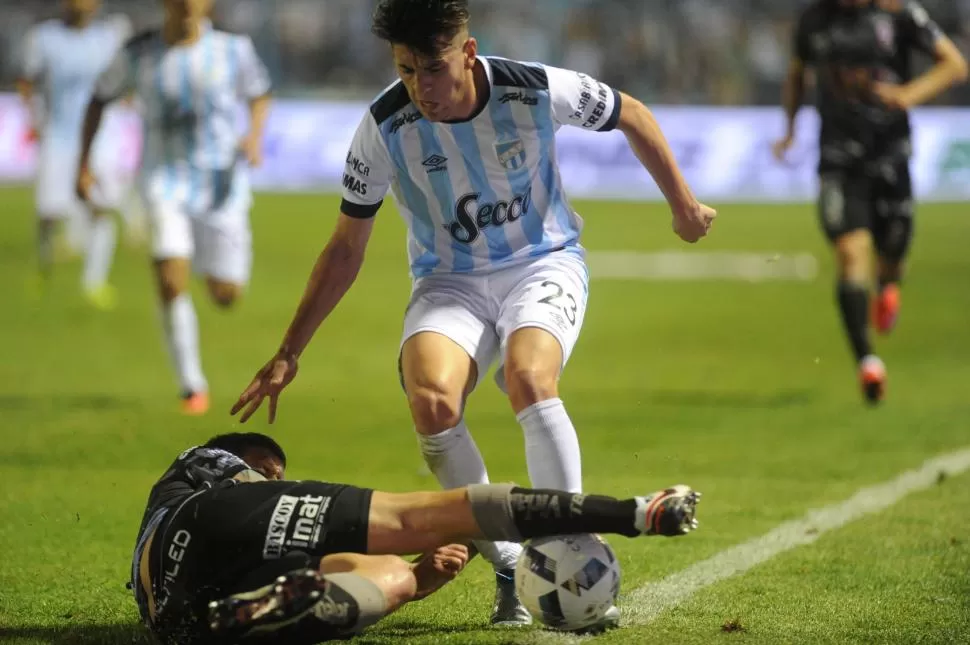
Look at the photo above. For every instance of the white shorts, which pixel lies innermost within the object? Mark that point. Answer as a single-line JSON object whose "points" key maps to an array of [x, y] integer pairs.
{"points": [[480, 312], [219, 245]]}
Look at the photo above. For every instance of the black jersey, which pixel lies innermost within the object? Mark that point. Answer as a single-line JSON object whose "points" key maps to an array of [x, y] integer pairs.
{"points": [[195, 470], [850, 49]]}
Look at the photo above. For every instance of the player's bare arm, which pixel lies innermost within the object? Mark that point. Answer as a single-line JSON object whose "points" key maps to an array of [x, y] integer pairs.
{"points": [[692, 220], [792, 95], [252, 144], [950, 69], [89, 130], [335, 270]]}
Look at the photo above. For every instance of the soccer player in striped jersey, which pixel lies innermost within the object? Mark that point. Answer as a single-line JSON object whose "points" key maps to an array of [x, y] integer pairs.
{"points": [[466, 145], [194, 176], [62, 61]]}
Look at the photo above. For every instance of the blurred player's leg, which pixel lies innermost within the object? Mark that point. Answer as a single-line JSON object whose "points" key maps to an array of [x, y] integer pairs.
{"points": [[543, 306], [892, 233], [846, 210], [77, 226], [173, 247], [53, 202], [447, 346], [97, 262]]}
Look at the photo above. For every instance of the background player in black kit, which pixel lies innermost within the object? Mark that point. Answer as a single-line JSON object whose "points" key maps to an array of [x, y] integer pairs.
{"points": [[862, 54], [228, 552]]}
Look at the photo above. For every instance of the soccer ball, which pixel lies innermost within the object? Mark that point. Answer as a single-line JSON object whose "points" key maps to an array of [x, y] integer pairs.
{"points": [[568, 582]]}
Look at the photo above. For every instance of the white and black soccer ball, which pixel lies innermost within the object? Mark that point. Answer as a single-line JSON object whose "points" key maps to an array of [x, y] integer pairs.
{"points": [[568, 582]]}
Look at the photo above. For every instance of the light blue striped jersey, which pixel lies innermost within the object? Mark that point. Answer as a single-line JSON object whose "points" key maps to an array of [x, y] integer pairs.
{"points": [[483, 193], [64, 63], [190, 97]]}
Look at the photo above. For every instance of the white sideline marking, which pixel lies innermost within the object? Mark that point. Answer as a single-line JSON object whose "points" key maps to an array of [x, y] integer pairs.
{"points": [[699, 265], [647, 602]]}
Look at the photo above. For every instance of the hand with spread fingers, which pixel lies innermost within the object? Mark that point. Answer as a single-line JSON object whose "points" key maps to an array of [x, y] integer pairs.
{"points": [[268, 382]]}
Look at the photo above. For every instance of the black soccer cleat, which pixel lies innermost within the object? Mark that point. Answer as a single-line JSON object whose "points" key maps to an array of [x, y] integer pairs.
{"points": [[669, 512], [286, 601], [508, 610]]}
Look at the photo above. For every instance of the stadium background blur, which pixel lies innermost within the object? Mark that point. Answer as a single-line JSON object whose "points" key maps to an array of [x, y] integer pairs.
{"points": [[713, 365], [713, 52]]}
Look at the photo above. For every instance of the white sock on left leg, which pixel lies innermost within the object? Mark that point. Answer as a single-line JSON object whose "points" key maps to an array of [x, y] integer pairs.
{"points": [[551, 447]]}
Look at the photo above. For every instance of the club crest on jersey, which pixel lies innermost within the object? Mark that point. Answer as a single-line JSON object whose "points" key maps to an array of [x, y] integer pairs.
{"points": [[511, 154], [885, 32]]}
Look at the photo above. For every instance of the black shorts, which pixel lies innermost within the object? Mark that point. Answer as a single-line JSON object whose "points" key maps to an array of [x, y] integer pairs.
{"points": [[241, 536], [879, 199]]}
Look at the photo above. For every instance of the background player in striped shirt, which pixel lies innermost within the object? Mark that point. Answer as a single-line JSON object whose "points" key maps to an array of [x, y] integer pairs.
{"points": [[194, 176], [466, 145], [63, 59]]}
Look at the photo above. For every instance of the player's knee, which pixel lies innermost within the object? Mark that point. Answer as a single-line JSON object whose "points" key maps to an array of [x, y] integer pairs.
{"points": [[529, 383], [170, 286], [434, 408], [853, 252], [224, 294], [172, 276]]}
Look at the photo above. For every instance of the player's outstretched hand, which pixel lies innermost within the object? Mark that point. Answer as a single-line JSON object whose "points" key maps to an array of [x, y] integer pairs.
{"points": [[269, 382], [694, 223]]}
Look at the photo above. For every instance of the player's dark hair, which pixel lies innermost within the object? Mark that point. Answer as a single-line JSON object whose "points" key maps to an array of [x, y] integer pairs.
{"points": [[239, 443], [420, 25]]}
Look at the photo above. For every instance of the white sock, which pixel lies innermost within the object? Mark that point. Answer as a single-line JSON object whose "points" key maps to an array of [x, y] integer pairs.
{"points": [[551, 447], [455, 460], [182, 337], [101, 252]]}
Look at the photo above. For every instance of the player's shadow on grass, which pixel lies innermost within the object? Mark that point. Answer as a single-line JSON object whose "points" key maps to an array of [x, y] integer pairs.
{"points": [[80, 635], [67, 402], [732, 400]]}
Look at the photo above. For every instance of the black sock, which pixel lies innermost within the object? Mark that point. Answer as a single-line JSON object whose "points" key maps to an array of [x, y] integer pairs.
{"points": [[854, 304], [885, 282], [542, 512]]}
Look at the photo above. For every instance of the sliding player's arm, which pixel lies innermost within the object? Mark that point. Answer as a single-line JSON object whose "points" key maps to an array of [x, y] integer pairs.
{"points": [[586, 103], [366, 180], [919, 31]]}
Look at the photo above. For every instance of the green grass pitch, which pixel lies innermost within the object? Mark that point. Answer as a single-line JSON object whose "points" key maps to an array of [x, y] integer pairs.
{"points": [[745, 391]]}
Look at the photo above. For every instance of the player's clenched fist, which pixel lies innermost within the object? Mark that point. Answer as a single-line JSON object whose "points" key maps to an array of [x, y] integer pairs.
{"points": [[694, 223], [269, 382]]}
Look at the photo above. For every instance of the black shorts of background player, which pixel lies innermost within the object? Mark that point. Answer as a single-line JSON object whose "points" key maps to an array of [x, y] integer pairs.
{"points": [[861, 53], [229, 552]]}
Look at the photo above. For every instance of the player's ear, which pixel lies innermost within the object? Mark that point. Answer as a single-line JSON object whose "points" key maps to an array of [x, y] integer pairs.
{"points": [[470, 50]]}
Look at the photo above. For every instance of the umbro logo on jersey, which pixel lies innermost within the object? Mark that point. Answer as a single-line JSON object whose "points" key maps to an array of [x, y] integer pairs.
{"points": [[435, 163]]}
